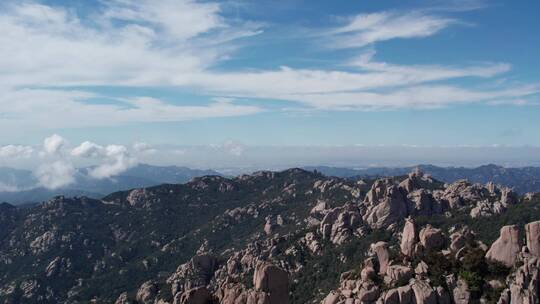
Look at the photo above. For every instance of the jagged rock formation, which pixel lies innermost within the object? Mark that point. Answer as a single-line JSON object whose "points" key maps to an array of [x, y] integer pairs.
{"points": [[385, 204], [340, 223], [524, 286], [403, 285]]}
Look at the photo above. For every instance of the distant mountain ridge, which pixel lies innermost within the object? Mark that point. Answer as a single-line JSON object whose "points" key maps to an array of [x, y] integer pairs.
{"points": [[523, 180], [20, 186]]}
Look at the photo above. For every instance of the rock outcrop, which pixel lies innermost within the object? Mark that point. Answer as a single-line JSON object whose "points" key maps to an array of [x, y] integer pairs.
{"points": [[524, 286], [532, 233], [273, 281], [423, 293], [385, 204], [431, 238], [409, 238], [340, 223], [506, 248], [195, 273], [381, 251]]}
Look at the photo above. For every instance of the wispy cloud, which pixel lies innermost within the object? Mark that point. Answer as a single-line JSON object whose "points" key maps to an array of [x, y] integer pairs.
{"points": [[46, 108], [365, 29], [179, 43]]}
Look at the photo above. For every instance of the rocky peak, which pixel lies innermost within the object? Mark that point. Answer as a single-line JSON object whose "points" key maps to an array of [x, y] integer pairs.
{"points": [[417, 180], [385, 203]]}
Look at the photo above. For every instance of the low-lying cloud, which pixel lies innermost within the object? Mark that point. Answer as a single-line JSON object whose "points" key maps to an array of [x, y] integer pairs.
{"points": [[16, 151], [53, 144], [56, 174], [57, 161], [114, 159]]}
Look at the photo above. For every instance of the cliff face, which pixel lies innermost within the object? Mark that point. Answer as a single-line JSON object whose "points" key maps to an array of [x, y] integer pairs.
{"points": [[275, 237]]}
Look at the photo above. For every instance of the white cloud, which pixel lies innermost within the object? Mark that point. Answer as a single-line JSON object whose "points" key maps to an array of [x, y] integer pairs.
{"points": [[423, 97], [55, 169], [152, 42], [117, 161], [55, 175], [150, 109], [142, 147], [287, 81], [412, 74], [87, 149], [114, 159], [59, 109], [365, 29], [16, 151], [180, 20], [53, 144], [57, 166]]}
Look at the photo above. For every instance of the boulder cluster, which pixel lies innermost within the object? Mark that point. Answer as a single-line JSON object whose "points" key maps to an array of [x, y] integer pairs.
{"points": [[206, 279], [388, 202], [399, 275]]}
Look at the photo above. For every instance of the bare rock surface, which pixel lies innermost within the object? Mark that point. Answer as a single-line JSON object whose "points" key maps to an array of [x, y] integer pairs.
{"points": [[273, 281], [385, 204], [409, 238], [506, 248], [532, 233], [431, 238]]}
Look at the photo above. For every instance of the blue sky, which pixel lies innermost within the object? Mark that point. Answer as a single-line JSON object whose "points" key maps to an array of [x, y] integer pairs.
{"points": [[179, 73]]}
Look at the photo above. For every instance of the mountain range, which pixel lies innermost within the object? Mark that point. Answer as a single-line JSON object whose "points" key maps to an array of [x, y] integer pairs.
{"points": [[523, 179], [19, 186], [294, 236]]}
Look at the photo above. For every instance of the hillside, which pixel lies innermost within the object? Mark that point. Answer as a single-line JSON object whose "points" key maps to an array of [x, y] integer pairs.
{"points": [[274, 237]]}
